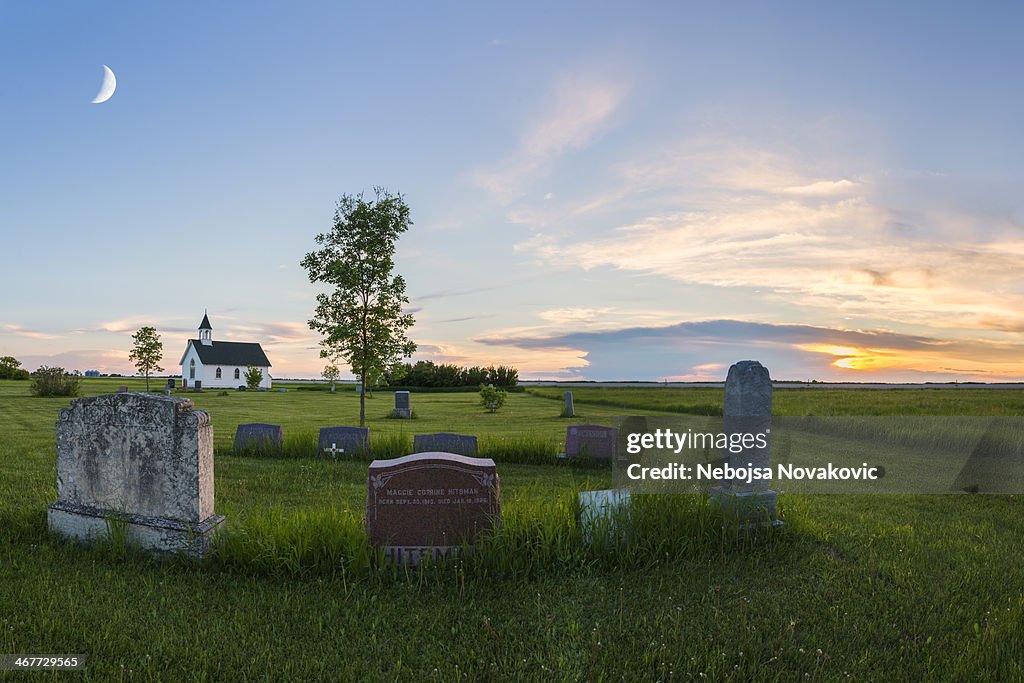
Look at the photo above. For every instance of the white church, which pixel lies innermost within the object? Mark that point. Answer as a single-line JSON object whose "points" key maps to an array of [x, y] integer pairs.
{"points": [[208, 364]]}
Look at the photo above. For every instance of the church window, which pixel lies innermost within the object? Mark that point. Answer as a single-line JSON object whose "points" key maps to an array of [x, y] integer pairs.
{"points": [[236, 373], [218, 373]]}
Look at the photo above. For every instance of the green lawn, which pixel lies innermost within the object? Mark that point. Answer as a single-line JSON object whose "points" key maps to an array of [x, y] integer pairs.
{"points": [[858, 587]]}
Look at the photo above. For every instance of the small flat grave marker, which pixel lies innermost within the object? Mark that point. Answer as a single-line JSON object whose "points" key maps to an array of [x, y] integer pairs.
{"points": [[348, 440], [257, 435], [445, 442], [593, 442]]}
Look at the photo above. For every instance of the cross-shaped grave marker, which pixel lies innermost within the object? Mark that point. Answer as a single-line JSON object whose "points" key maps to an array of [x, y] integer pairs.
{"points": [[334, 450]]}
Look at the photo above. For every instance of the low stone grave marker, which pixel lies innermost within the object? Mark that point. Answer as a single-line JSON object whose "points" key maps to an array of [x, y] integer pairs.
{"points": [[258, 435], [591, 442], [140, 463], [428, 504], [445, 442], [602, 509], [122, 390], [335, 442], [402, 405]]}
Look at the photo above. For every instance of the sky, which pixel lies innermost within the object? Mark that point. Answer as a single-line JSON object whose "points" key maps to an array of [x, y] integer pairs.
{"points": [[620, 191]]}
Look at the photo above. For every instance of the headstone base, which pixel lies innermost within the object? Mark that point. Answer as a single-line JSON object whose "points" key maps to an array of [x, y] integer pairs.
{"points": [[405, 413], [149, 533], [753, 509]]}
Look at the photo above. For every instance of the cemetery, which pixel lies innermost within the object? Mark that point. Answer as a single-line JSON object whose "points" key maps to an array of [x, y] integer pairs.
{"points": [[577, 342], [219, 508]]}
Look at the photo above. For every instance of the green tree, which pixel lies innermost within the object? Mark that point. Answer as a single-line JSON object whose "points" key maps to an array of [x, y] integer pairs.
{"points": [[147, 353], [253, 377], [330, 374], [10, 368], [361, 318]]}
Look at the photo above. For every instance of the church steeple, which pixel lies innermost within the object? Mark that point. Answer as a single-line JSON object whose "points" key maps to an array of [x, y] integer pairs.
{"points": [[205, 331]]}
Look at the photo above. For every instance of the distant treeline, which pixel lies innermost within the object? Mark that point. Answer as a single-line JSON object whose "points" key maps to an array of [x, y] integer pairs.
{"points": [[425, 373]]}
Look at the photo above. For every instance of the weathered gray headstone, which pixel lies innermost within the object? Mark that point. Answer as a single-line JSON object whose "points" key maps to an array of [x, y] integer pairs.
{"points": [[402, 404], [445, 442], [257, 435], [359, 388], [748, 410], [427, 505], [335, 442], [122, 390], [139, 463], [569, 410], [197, 386], [591, 442]]}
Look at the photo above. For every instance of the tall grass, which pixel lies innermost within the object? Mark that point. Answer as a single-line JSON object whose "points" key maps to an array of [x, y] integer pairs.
{"points": [[533, 538]]}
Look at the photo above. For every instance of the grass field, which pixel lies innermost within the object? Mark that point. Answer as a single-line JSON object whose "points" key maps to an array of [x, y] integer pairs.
{"points": [[854, 587]]}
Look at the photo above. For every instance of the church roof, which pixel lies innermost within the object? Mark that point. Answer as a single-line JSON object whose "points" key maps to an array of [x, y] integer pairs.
{"points": [[205, 325], [230, 353]]}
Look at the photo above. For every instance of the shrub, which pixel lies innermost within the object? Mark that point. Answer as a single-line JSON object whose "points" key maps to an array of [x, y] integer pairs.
{"points": [[491, 398], [48, 381], [253, 377]]}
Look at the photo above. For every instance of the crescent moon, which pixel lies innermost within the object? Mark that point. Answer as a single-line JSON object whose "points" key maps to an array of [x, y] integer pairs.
{"points": [[108, 87]]}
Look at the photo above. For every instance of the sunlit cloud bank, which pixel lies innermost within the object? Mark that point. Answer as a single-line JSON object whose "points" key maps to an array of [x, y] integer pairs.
{"points": [[703, 350]]}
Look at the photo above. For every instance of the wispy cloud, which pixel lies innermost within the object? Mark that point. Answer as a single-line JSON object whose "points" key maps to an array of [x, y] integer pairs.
{"points": [[749, 219], [19, 331], [580, 108]]}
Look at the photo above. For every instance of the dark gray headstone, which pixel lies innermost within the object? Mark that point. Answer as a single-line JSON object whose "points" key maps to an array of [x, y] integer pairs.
{"points": [[748, 410], [428, 505], [338, 442], [122, 390], [402, 404], [197, 386], [593, 442], [444, 442], [569, 410], [257, 435]]}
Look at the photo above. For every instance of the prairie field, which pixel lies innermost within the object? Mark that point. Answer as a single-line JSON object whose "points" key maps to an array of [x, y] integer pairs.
{"points": [[858, 587]]}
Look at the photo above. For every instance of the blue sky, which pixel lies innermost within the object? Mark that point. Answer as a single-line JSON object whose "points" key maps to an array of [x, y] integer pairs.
{"points": [[613, 192]]}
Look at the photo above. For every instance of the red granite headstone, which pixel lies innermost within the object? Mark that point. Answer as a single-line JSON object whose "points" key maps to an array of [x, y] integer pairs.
{"points": [[429, 504]]}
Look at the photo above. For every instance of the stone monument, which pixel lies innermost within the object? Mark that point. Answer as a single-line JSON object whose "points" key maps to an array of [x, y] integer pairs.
{"points": [[429, 504], [139, 463], [748, 410], [402, 405]]}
